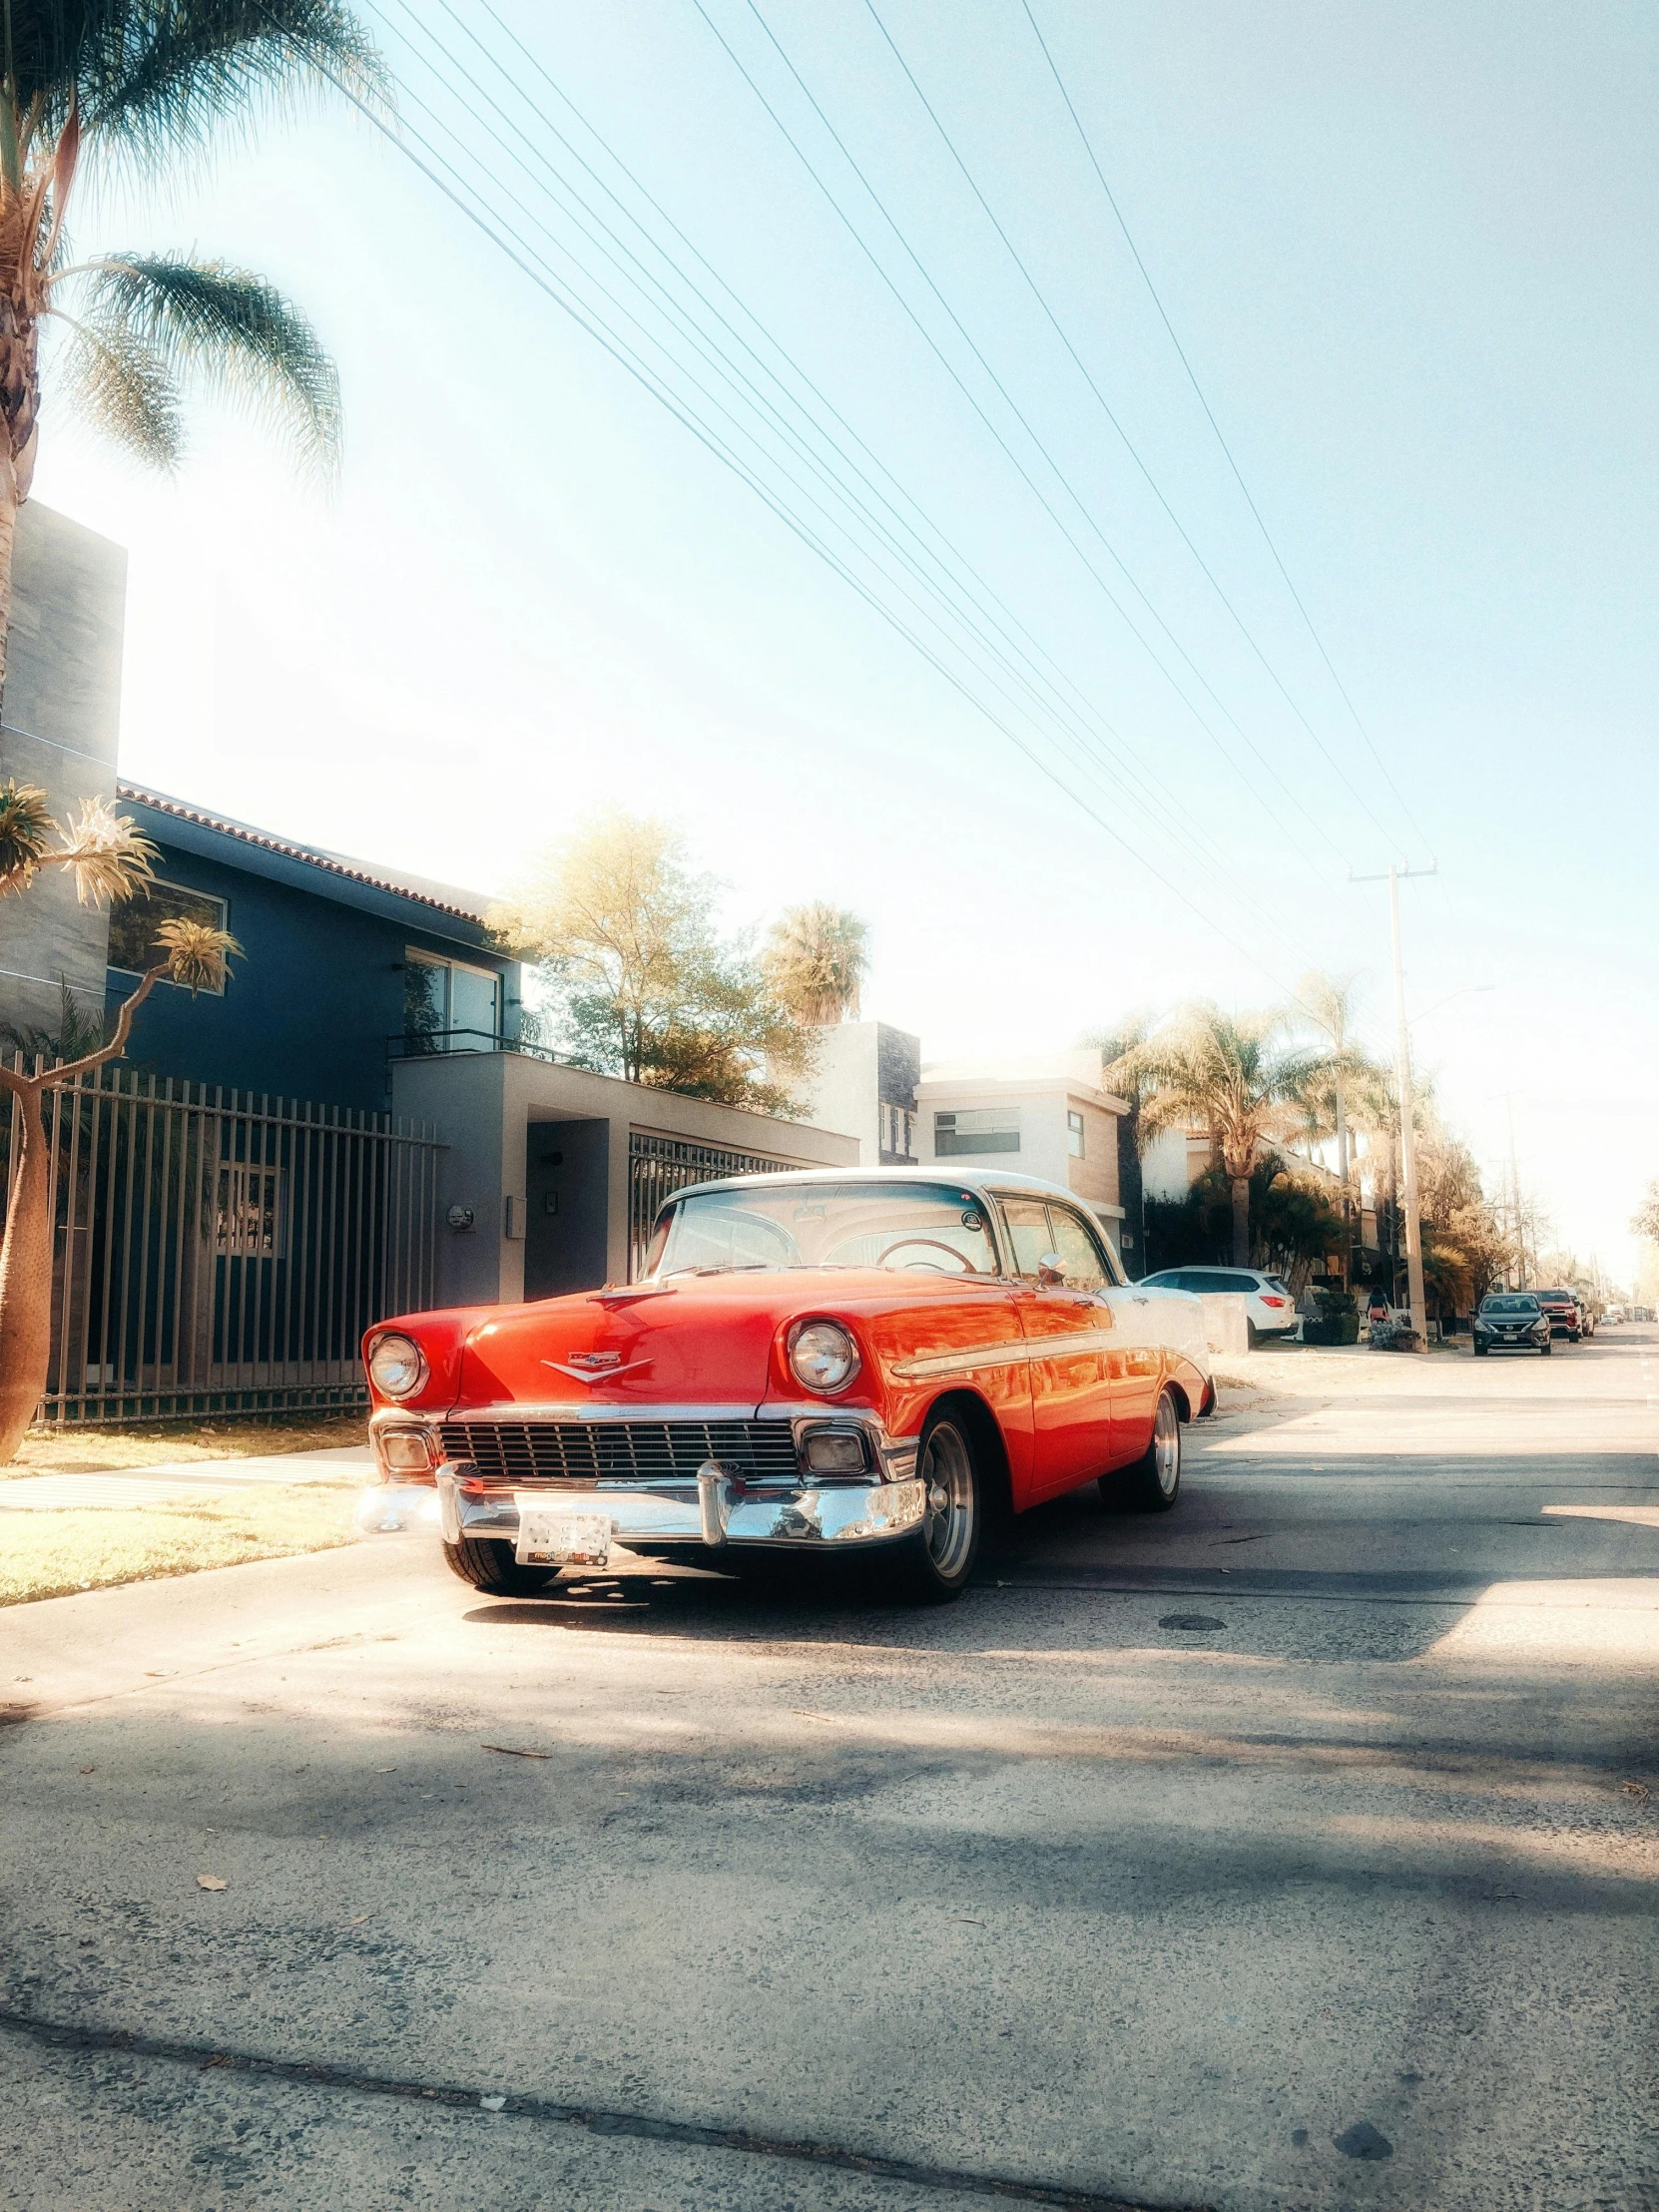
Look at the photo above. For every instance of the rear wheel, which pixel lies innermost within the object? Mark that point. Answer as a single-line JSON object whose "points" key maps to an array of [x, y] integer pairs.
{"points": [[1253, 1336], [932, 1566], [1153, 1483], [489, 1565]]}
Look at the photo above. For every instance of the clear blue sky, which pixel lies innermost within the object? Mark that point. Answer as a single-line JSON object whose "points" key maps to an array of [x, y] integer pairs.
{"points": [[1411, 251]]}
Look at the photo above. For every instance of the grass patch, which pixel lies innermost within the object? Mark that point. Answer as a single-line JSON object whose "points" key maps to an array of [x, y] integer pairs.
{"points": [[171, 1443], [53, 1555]]}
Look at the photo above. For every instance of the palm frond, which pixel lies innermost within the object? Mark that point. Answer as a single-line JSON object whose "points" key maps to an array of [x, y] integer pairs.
{"points": [[154, 78], [228, 328], [197, 958], [26, 828], [107, 853], [122, 387]]}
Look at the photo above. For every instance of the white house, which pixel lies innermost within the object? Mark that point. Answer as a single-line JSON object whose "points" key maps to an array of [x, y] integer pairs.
{"points": [[1048, 1117]]}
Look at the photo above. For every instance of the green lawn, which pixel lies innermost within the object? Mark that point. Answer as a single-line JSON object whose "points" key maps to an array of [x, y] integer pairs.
{"points": [[52, 1554]]}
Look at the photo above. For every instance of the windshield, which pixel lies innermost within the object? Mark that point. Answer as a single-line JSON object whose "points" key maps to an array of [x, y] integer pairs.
{"points": [[1559, 1297], [1509, 1305], [917, 1227]]}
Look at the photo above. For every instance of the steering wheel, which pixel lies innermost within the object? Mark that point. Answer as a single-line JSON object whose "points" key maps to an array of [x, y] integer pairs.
{"points": [[963, 1265]]}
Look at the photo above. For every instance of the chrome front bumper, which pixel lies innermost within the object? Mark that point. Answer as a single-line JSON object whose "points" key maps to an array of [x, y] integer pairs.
{"points": [[713, 1510], [713, 1506]]}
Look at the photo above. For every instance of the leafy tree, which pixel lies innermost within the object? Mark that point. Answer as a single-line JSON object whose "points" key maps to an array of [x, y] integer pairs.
{"points": [[133, 88], [108, 859], [1464, 1251], [816, 959], [1230, 1077], [624, 933], [1644, 1222]]}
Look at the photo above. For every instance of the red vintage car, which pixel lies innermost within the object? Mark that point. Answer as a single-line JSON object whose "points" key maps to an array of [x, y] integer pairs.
{"points": [[842, 1360]]}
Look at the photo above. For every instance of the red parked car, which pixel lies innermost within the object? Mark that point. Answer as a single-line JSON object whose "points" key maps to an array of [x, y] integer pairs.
{"points": [[1565, 1318], [838, 1360]]}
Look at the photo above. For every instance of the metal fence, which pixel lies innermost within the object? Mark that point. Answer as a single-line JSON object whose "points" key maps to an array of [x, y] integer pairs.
{"points": [[660, 1165], [223, 1252]]}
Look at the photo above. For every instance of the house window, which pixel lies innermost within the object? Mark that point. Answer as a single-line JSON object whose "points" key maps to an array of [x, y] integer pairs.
{"points": [[1074, 1135], [248, 1219], [448, 1007], [133, 923], [976, 1129]]}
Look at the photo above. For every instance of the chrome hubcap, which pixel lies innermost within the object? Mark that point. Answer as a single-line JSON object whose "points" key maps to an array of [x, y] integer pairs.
{"points": [[1166, 1445], [949, 1473]]}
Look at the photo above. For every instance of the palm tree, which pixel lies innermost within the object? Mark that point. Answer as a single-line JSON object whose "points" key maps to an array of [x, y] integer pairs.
{"points": [[816, 960], [1230, 1077], [134, 85], [108, 859]]}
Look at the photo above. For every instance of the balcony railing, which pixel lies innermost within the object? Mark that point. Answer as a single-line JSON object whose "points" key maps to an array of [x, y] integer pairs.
{"points": [[434, 1044]]}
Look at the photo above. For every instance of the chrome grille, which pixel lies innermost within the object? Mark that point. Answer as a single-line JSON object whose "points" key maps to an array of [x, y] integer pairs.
{"points": [[623, 1451]]}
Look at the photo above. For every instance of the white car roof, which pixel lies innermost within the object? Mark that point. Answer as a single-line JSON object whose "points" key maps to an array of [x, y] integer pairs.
{"points": [[934, 1172]]}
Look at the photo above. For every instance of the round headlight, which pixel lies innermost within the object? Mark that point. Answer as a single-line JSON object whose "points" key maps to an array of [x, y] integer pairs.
{"points": [[823, 1355], [397, 1364]]}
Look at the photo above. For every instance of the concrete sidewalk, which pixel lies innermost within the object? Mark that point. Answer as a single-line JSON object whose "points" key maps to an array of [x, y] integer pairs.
{"points": [[157, 1483]]}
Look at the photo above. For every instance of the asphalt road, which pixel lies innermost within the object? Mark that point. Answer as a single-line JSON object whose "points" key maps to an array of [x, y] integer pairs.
{"points": [[1290, 1851]]}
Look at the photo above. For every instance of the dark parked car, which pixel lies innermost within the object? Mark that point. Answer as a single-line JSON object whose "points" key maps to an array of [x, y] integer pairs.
{"points": [[1511, 1318], [1564, 1317]]}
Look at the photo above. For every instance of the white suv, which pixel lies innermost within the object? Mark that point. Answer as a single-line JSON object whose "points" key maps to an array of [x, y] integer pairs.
{"points": [[1269, 1309]]}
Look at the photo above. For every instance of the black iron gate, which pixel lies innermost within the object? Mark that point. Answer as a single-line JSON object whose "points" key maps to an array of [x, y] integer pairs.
{"points": [[660, 1165], [223, 1252]]}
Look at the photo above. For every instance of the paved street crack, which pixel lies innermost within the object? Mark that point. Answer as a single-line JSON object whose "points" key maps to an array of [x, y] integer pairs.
{"points": [[647, 2127]]}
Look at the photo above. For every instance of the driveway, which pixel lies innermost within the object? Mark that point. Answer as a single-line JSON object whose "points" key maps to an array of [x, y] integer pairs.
{"points": [[1295, 1850]]}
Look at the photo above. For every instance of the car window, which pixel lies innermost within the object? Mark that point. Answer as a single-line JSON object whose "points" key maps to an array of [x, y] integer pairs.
{"points": [[1168, 1280], [1029, 1233], [912, 1228], [1236, 1280], [1085, 1267]]}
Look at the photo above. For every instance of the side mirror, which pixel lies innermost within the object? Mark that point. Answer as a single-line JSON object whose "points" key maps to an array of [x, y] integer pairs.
{"points": [[1051, 1271]]}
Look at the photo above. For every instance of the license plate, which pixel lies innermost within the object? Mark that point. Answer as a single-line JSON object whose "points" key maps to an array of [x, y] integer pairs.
{"points": [[554, 1537]]}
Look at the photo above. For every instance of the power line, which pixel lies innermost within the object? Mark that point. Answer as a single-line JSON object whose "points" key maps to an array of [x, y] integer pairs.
{"points": [[447, 179], [950, 370], [1209, 415], [1146, 795], [1106, 409]]}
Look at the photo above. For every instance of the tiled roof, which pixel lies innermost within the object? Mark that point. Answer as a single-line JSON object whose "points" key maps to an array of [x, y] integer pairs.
{"points": [[332, 862]]}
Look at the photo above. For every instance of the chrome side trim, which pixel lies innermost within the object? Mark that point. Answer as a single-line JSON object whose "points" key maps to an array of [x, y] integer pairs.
{"points": [[1010, 1354]]}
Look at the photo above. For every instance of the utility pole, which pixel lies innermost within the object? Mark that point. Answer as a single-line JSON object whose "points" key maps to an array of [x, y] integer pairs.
{"points": [[1514, 1194], [1407, 1134]]}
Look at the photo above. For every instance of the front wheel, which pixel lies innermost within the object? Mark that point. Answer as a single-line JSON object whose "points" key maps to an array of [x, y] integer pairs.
{"points": [[489, 1565], [1481, 1351], [1547, 1347], [932, 1566], [1153, 1483]]}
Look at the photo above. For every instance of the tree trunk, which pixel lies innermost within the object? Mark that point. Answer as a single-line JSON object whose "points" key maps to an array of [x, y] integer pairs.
{"points": [[8, 544], [1241, 1221], [26, 1253], [25, 1281]]}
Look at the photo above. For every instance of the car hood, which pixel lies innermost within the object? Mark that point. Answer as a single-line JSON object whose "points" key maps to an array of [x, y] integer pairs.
{"points": [[700, 1340]]}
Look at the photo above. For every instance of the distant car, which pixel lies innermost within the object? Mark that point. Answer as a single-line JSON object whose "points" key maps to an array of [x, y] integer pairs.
{"points": [[1271, 1311], [1511, 1318], [1565, 1317], [1589, 1319], [1613, 1315]]}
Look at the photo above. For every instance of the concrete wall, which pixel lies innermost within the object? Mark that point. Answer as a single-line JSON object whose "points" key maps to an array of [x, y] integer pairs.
{"points": [[62, 722], [860, 1067], [487, 1104]]}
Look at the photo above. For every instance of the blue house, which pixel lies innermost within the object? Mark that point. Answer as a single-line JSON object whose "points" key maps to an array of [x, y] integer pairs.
{"points": [[345, 965]]}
